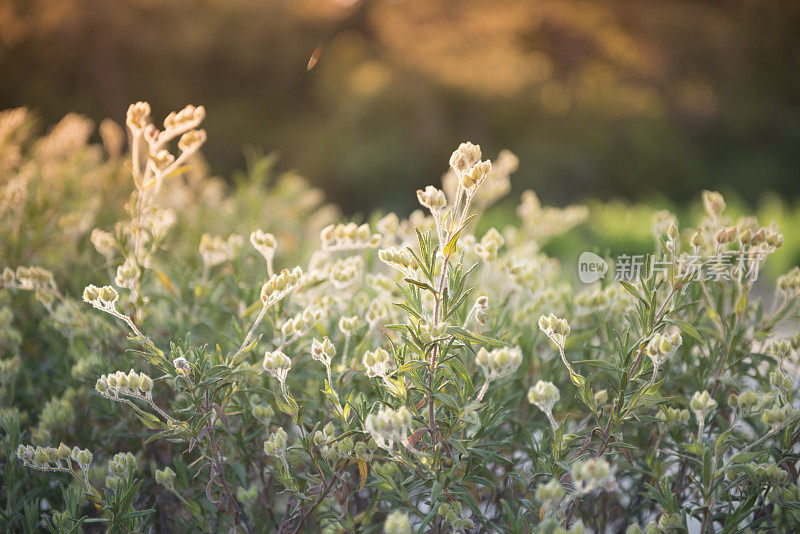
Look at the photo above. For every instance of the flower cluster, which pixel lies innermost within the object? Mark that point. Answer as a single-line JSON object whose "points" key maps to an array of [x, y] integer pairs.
{"points": [[265, 244], [554, 328], [498, 363], [277, 364], [276, 443], [400, 259], [389, 426], [590, 475], [54, 458], [216, 250], [280, 285], [348, 237], [544, 395], [133, 384]]}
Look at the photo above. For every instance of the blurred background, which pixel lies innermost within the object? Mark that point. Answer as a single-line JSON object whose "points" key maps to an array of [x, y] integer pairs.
{"points": [[601, 99]]}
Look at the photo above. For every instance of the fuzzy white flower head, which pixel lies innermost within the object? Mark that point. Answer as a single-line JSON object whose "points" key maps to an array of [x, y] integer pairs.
{"points": [[554, 328], [323, 351], [662, 346], [102, 298], [348, 325], [276, 443], [702, 404], [138, 117], [432, 198], [277, 364], [490, 244], [216, 250], [499, 362], [400, 259], [590, 474], [264, 243], [280, 285], [104, 242], [388, 426], [348, 237], [127, 274], [544, 396], [345, 272], [377, 363], [115, 385], [397, 522], [465, 158]]}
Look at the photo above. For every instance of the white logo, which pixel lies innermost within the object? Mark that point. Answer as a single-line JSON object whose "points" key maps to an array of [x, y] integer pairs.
{"points": [[591, 267]]}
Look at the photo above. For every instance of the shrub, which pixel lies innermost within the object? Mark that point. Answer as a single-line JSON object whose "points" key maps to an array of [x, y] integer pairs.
{"points": [[402, 375]]}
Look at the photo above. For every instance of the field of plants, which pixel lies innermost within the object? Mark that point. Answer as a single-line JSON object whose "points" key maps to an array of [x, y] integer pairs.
{"points": [[185, 353]]}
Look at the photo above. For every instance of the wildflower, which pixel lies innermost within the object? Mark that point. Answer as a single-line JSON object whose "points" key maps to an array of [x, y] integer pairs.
{"points": [[348, 325], [590, 474], [400, 259], [104, 243], [277, 364], [215, 250], [661, 347], [280, 285], [127, 274], [138, 117], [377, 363], [550, 493], [276, 443], [713, 203], [554, 328], [114, 385], [191, 141], [388, 426], [544, 396], [33, 278], [789, 283], [264, 243], [323, 351], [397, 523], [465, 157], [777, 416], [702, 404], [673, 416], [344, 272], [498, 362], [181, 365], [432, 198], [166, 478], [189, 117], [697, 240], [122, 464], [348, 237], [489, 245]]}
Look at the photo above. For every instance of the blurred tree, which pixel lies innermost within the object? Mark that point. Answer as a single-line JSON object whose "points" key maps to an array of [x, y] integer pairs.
{"points": [[599, 98]]}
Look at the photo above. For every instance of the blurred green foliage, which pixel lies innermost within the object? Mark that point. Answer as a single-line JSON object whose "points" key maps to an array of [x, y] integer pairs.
{"points": [[600, 99]]}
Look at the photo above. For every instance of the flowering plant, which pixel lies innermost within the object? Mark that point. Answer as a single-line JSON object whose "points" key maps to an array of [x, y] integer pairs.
{"points": [[409, 375]]}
